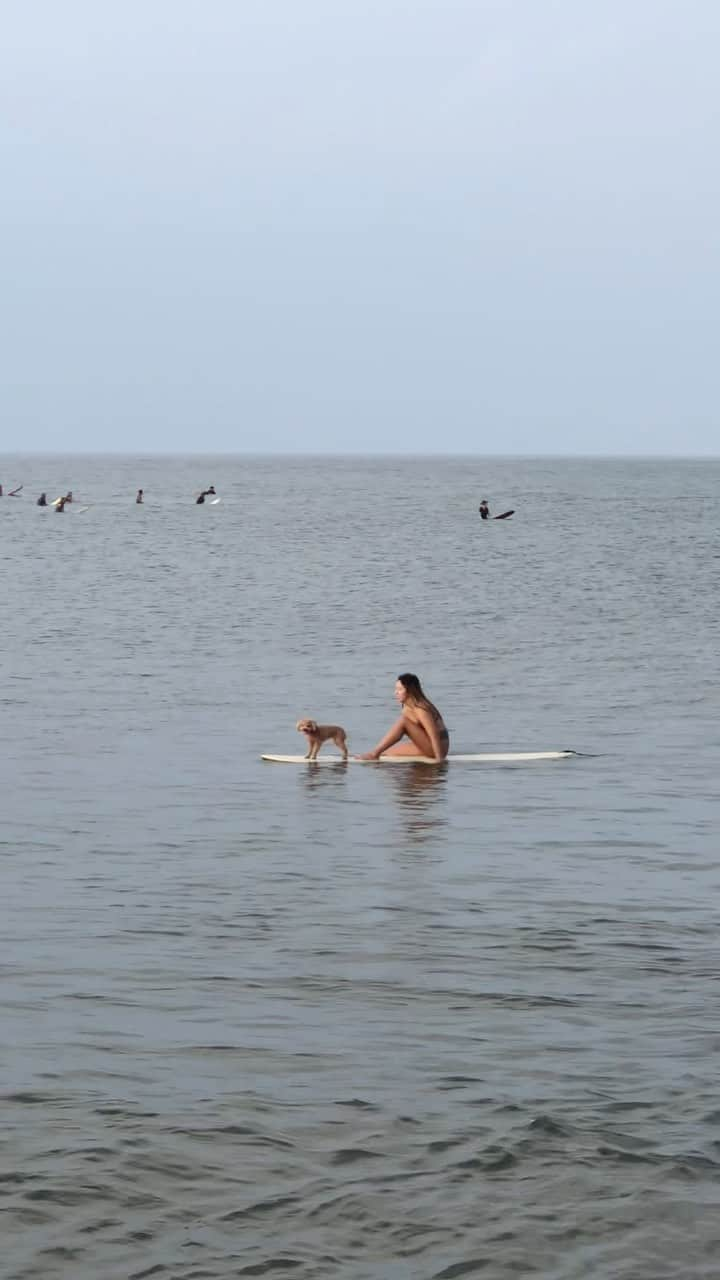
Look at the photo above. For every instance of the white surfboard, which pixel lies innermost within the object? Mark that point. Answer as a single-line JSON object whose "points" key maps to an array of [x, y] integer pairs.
{"points": [[483, 757], [214, 501]]}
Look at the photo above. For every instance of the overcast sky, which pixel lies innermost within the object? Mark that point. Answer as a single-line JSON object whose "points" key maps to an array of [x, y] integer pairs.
{"points": [[482, 226]]}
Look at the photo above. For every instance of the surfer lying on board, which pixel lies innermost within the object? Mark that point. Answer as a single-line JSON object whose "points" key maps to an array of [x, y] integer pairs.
{"points": [[420, 721], [205, 494]]}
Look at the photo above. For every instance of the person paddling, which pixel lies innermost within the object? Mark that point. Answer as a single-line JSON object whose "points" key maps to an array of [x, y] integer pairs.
{"points": [[42, 500], [205, 494]]}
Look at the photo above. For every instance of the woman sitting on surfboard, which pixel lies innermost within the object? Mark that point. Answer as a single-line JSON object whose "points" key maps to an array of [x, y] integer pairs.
{"points": [[420, 721]]}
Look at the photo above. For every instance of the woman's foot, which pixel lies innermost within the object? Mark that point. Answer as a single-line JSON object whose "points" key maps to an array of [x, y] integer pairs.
{"points": [[367, 755]]}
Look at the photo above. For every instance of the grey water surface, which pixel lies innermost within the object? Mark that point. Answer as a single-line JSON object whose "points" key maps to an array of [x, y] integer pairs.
{"points": [[381, 1023]]}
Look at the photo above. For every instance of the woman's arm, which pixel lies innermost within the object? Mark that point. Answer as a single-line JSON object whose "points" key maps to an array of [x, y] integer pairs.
{"points": [[428, 723], [392, 736]]}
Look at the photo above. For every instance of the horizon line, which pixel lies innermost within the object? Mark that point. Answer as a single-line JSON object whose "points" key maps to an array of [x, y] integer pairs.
{"points": [[390, 454]]}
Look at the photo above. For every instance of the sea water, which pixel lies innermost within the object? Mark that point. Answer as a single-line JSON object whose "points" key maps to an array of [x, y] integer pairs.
{"points": [[377, 1024]]}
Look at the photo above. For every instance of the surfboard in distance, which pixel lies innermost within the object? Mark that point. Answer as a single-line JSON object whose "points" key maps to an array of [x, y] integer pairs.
{"points": [[483, 757], [214, 501]]}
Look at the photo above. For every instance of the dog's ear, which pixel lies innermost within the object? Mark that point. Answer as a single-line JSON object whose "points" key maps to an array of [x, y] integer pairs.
{"points": [[312, 726]]}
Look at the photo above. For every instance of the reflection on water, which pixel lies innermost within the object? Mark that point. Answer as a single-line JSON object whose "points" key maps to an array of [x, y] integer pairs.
{"points": [[419, 789], [323, 778], [421, 792]]}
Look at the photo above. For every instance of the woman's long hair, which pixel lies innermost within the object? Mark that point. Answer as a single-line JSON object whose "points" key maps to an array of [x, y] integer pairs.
{"points": [[417, 694]]}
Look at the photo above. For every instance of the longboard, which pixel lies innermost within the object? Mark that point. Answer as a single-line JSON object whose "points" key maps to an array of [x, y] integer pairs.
{"points": [[484, 757]]}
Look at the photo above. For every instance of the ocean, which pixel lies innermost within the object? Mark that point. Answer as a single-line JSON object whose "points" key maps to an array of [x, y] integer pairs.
{"points": [[381, 1023]]}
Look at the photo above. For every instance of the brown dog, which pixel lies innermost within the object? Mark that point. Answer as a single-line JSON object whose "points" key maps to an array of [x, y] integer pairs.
{"points": [[316, 734]]}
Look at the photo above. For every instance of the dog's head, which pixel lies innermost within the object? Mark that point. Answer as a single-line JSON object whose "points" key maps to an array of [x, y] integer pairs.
{"points": [[306, 726]]}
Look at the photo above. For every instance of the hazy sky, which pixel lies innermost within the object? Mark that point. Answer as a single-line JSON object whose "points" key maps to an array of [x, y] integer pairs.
{"points": [[483, 226]]}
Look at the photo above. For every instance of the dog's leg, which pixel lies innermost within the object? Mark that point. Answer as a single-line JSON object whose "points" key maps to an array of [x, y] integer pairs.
{"points": [[340, 741]]}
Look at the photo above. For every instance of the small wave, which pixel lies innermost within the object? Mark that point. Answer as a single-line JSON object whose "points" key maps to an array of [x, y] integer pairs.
{"points": [[351, 1155]]}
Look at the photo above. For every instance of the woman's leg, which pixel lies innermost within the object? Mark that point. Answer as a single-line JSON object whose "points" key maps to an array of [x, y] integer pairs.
{"points": [[419, 744]]}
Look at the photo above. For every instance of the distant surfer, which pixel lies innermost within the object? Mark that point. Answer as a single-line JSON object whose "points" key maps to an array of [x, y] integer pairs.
{"points": [[42, 500], [205, 494], [485, 512], [420, 722], [139, 498], [61, 503], [68, 496]]}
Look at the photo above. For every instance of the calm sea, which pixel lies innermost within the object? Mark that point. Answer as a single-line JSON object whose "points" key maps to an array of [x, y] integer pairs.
{"points": [[368, 1023]]}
